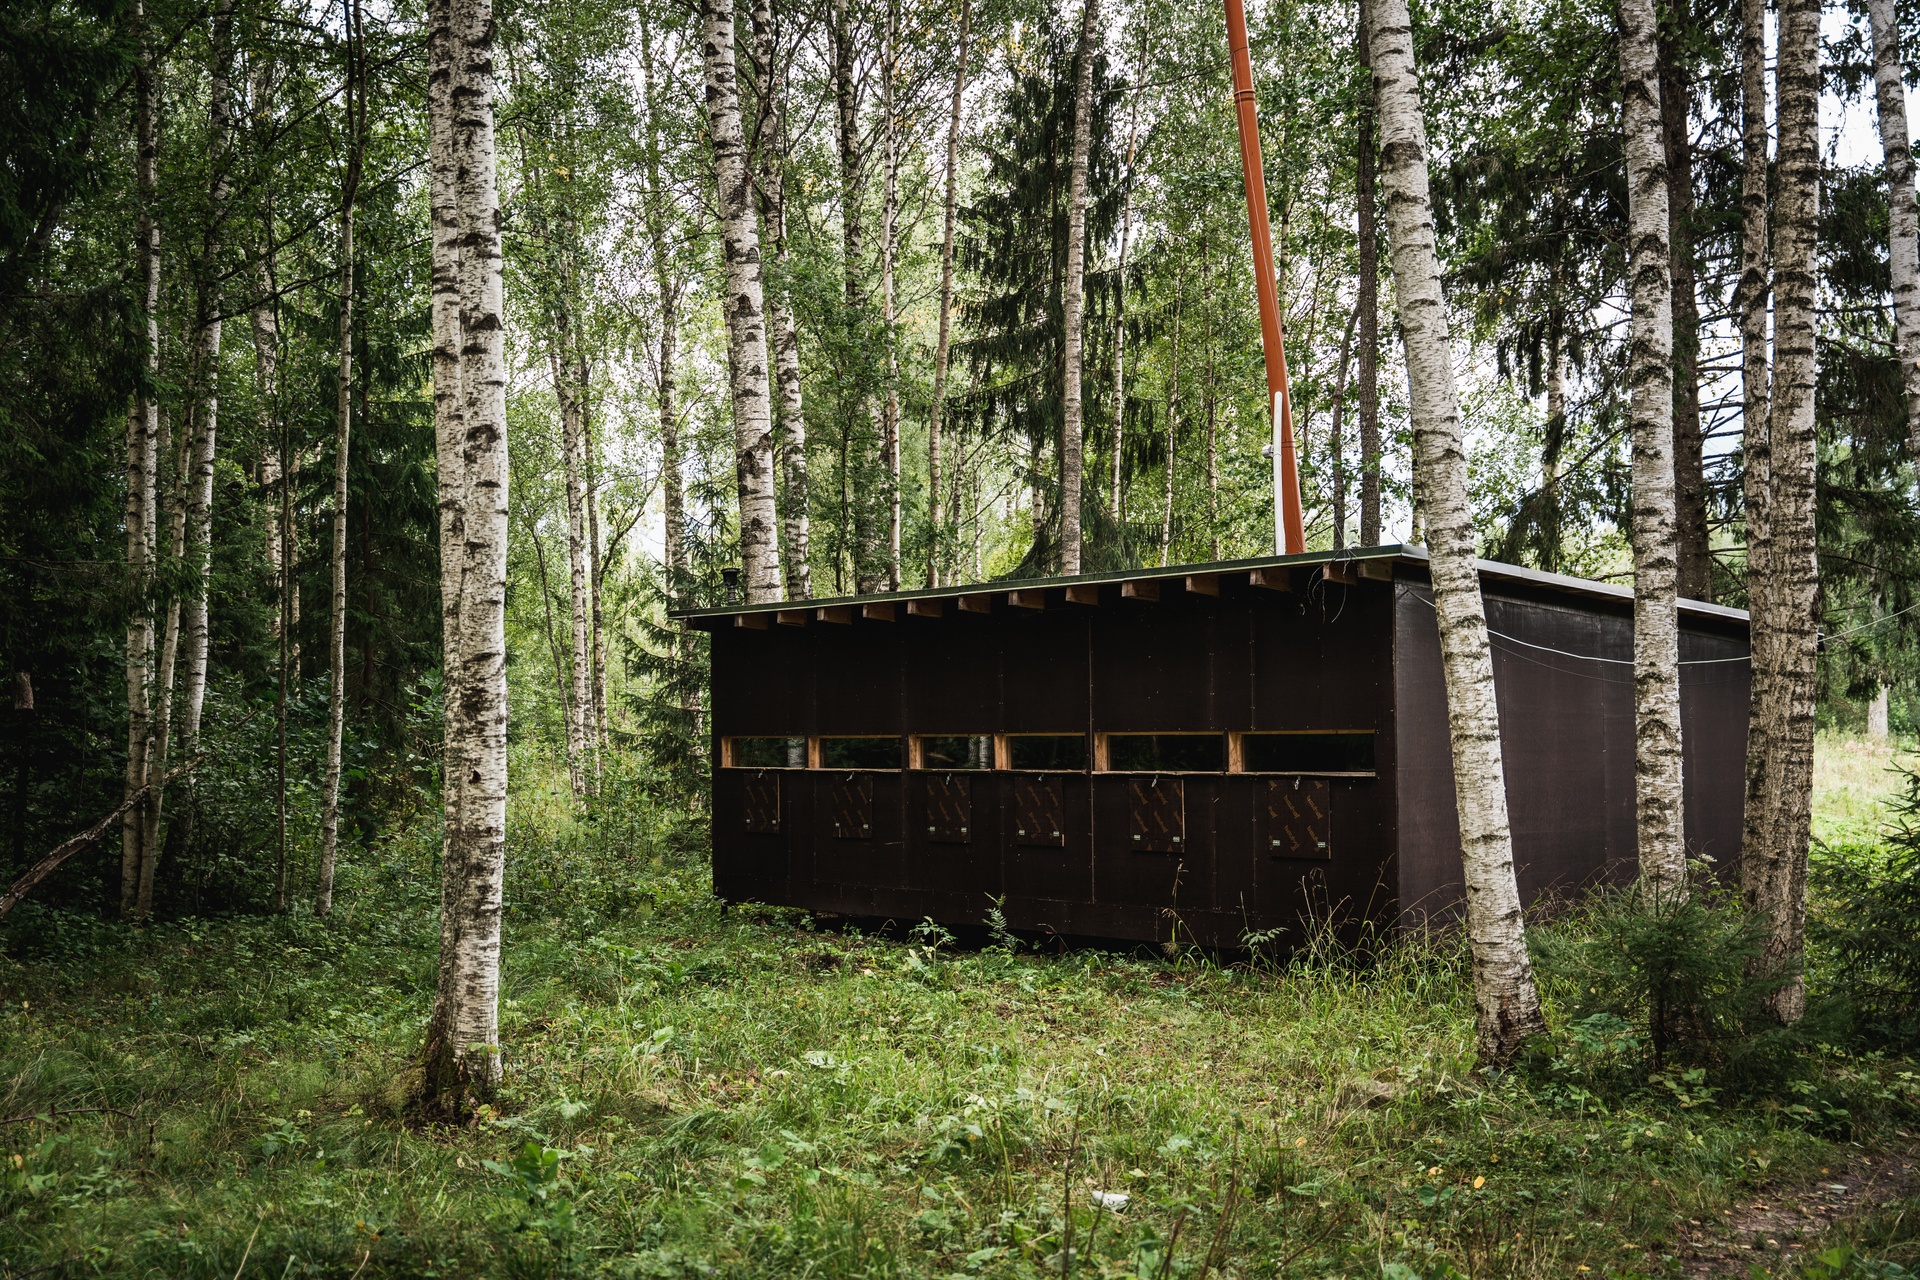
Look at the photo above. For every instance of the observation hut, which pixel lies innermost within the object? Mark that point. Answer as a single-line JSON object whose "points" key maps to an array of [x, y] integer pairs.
{"points": [[1199, 752]]}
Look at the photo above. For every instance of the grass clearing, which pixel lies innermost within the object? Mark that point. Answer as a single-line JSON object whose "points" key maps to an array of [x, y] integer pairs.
{"points": [[694, 1092]]}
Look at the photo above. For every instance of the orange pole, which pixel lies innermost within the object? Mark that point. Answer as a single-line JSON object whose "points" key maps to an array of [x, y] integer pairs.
{"points": [[1289, 535]]}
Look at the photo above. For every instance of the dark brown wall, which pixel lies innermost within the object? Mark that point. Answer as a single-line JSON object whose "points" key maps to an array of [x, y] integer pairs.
{"points": [[1248, 659], [1566, 734]]}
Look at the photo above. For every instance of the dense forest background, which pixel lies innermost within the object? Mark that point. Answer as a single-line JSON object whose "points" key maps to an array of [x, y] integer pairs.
{"points": [[273, 122]]}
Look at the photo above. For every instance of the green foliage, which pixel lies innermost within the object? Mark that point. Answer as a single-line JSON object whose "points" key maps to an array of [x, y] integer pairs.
{"points": [[1865, 921], [1658, 985]]}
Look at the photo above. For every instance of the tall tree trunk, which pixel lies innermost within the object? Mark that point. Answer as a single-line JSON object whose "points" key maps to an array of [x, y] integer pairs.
{"points": [[937, 539], [1751, 303], [1655, 428], [745, 312], [1073, 292], [1693, 556], [462, 1058], [672, 501], [1903, 223], [789, 410], [889, 253], [570, 370], [1336, 435], [1506, 1002], [1774, 868], [1367, 299], [597, 568], [356, 108], [143, 436], [856, 513], [1173, 416], [1556, 433]]}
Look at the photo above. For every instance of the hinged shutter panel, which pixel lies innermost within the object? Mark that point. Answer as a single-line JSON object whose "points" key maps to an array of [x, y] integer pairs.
{"points": [[763, 801], [1299, 818], [850, 801], [1157, 819], [949, 808], [1039, 817]]}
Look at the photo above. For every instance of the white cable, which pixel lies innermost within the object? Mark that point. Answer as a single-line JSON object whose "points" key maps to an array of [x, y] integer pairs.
{"points": [[1588, 657]]}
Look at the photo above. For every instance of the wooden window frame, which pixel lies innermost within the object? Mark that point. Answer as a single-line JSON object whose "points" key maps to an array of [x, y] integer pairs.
{"points": [[1103, 756], [917, 751], [816, 752], [1237, 752], [1003, 751], [729, 748]]}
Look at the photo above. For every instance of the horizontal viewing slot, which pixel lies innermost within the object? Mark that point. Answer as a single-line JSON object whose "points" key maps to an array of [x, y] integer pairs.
{"points": [[1166, 753], [953, 751], [768, 753], [1306, 752], [860, 753], [1047, 751]]}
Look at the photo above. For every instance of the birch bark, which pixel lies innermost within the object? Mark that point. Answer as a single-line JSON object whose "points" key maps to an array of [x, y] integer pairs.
{"points": [[1903, 238], [462, 1059], [143, 431], [1692, 553], [342, 451], [942, 350], [745, 311], [1505, 1000], [1751, 303], [570, 383], [1073, 293], [1774, 868], [790, 409], [1656, 613], [1367, 301]]}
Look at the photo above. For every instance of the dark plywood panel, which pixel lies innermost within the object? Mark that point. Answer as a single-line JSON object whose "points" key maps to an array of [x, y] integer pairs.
{"points": [[760, 800], [763, 681], [1039, 809], [1046, 867], [850, 805], [856, 681], [1157, 814], [950, 673], [748, 865], [1566, 729], [1714, 694], [949, 808], [1321, 657], [1043, 669], [854, 802], [1154, 665], [1299, 817]]}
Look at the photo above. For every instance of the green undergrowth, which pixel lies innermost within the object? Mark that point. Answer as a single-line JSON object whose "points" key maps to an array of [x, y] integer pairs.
{"points": [[699, 1092]]}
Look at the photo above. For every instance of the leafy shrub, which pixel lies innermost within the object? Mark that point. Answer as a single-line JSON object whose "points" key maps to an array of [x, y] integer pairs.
{"points": [[1865, 924], [1648, 983]]}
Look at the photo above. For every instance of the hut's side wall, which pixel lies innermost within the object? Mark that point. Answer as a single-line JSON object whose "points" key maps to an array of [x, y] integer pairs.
{"points": [[1566, 733], [1245, 660]]}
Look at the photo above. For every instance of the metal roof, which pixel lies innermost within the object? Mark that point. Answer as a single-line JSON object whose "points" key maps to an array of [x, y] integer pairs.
{"points": [[1365, 562]]}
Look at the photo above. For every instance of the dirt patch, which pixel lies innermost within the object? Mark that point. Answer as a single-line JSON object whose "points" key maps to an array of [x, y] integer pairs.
{"points": [[1779, 1228]]}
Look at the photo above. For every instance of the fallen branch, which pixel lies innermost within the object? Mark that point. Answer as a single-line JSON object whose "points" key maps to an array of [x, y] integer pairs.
{"points": [[69, 1111], [49, 864]]}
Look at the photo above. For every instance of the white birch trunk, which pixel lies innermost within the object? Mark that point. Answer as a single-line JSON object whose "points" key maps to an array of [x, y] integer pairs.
{"points": [[1774, 868], [745, 308], [889, 253], [1367, 301], [937, 545], [1656, 610], [1751, 303], [1073, 294], [570, 384], [143, 431], [342, 453], [1903, 238], [1505, 1000], [790, 409]]}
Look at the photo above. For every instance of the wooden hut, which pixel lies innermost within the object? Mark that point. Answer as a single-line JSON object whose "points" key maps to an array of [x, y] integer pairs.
{"points": [[1199, 752]]}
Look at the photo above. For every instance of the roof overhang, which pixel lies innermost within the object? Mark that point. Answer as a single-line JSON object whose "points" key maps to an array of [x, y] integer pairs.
{"points": [[1280, 573]]}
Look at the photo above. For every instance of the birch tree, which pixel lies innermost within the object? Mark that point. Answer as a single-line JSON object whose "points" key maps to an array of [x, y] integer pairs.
{"points": [[1903, 221], [143, 433], [356, 124], [745, 309], [1774, 864], [1505, 1000], [1074, 292], [1656, 612], [943, 344], [1692, 556], [1750, 301], [462, 1058], [1367, 297]]}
